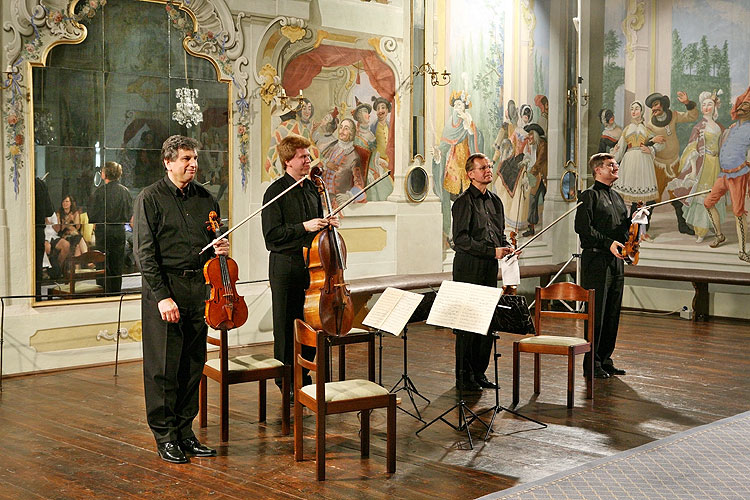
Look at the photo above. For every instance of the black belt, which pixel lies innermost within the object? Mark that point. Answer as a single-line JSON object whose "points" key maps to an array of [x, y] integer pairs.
{"points": [[185, 273], [596, 250], [293, 252]]}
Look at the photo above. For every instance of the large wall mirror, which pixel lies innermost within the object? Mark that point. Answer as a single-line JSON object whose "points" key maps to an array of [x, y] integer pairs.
{"points": [[110, 99]]}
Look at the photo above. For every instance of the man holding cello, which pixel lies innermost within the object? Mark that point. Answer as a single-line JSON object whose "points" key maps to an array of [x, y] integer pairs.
{"points": [[290, 224], [602, 223], [168, 234]]}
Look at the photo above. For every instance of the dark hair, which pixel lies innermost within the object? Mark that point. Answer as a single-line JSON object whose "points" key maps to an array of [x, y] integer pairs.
{"points": [[470, 161], [288, 147], [112, 170], [171, 147], [73, 206], [380, 100], [598, 159]]}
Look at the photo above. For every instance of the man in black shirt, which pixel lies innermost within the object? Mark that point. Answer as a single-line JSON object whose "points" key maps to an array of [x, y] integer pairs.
{"points": [[289, 224], [602, 224], [169, 232], [111, 210], [479, 239]]}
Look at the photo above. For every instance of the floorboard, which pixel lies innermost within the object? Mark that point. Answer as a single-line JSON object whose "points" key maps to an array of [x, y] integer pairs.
{"points": [[83, 434]]}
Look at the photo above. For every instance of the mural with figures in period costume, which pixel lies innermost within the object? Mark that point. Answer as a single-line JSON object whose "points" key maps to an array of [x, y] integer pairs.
{"points": [[490, 109], [347, 112], [685, 128]]}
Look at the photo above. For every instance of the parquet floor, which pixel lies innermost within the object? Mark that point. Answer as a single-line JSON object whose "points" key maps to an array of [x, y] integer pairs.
{"points": [[82, 433]]}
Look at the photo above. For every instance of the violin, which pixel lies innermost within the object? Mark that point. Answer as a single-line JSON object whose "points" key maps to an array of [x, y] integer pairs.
{"points": [[328, 302], [631, 248], [225, 308]]}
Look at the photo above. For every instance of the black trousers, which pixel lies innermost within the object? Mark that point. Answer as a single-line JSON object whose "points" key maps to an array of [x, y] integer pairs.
{"points": [[173, 358], [605, 273], [289, 279], [472, 349], [112, 243]]}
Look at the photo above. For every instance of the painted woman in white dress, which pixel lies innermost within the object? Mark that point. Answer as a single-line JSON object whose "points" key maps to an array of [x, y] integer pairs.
{"points": [[634, 152], [699, 167]]}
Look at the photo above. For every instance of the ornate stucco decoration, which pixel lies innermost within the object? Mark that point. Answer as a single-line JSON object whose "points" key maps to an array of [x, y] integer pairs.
{"points": [[529, 19], [293, 29], [38, 25], [270, 83], [633, 22]]}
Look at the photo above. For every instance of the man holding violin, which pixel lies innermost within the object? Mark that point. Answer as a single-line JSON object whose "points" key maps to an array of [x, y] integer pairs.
{"points": [[479, 239], [289, 224], [602, 223], [169, 232]]}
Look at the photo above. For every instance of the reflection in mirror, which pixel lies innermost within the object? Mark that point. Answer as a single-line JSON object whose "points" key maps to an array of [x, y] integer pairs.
{"points": [[108, 101], [417, 181], [568, 183]]}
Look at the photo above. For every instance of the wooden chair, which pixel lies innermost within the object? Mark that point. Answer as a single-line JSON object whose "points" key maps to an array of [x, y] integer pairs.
{"points": [[556, 344], [80, 275], [327, 398], [228, 370]]}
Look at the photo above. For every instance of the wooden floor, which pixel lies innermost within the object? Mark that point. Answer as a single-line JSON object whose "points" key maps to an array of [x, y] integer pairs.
{"points": [[82, 433]]}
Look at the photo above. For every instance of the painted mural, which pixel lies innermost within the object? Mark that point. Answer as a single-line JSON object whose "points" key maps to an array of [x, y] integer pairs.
{"points": [[347, 112], [676, 114], [496, 104]]}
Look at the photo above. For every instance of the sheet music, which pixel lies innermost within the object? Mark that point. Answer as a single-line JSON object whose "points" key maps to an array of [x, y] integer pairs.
{"points": [[464, 306], [392, 310]]}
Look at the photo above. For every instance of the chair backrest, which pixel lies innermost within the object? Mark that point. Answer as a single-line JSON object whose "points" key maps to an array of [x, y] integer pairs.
{"points": [[304, 334], [569, 292]]}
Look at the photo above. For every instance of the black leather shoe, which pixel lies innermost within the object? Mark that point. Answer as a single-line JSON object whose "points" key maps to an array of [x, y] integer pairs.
{"points": [[599, 372], [191, 446], [484, 383], [468, 385], [612, 370], [171, 452]]}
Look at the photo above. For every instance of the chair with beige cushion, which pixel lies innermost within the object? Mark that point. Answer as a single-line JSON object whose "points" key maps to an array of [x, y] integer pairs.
{"points": [[558, 344], [228, 370], [327, 398]]}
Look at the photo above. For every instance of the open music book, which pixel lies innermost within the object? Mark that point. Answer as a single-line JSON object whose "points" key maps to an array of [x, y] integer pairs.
{"points": [[392, 310], [464, 306]]}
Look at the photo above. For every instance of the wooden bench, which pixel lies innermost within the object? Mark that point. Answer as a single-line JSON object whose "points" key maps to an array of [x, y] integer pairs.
{"points": [[700, 279], [364, 288]]}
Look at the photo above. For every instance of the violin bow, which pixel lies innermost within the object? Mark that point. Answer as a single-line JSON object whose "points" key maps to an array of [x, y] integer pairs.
{"points": [[354, 198], [218, 238], [677, 199], [537, 235]]}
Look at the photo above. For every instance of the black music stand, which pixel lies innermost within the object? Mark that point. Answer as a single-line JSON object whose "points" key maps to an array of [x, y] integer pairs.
{"points": [[463, 409], [498, 407], [408, 385]]}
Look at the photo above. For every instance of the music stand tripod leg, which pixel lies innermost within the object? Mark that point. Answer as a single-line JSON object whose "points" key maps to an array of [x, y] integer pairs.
{"points": [[498, 407], [408, 385], [463, 409]]}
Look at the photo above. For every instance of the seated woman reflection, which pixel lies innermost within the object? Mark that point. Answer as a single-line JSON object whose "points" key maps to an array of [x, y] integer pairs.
{"points": [[69, 241]]}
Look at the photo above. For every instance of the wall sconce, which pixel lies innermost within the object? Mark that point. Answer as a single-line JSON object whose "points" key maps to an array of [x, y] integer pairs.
{"points": [[436, 79], [276, 94], [572, 96], [9, 77], [585, 97]]}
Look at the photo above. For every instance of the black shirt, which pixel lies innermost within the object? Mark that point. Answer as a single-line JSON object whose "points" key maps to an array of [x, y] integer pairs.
{"points": [[112, 207], [602, 217], [478, 223], [282, 220], [170, 230]]}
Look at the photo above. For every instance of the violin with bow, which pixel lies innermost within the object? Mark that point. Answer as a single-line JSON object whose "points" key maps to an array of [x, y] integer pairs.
{"points": [[225, 308], [328, 302], [630, 250]]}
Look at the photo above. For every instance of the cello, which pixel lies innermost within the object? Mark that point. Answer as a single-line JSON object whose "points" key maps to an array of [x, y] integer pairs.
{"points": [[225, 308], [328, 302]]}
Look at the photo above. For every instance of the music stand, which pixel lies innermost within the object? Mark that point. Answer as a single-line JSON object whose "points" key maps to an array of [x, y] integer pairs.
{"points": [[408, 385], [391, 313], [468, 309]]}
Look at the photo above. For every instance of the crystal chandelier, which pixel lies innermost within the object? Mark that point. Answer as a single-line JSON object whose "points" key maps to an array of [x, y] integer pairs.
{"points": [[188, 112]]}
